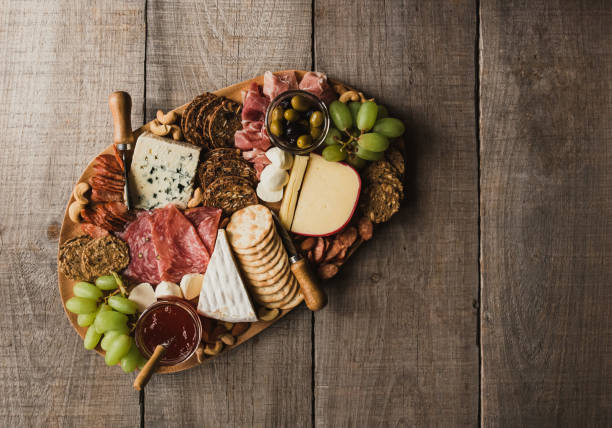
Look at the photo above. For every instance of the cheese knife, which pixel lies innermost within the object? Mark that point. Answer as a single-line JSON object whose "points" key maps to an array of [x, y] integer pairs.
{"points": [[314, 296], [120, 104]]}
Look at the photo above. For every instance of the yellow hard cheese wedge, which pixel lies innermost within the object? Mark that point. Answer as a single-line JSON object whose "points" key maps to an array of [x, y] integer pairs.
{"points": [[292, 190], [328, 198]]}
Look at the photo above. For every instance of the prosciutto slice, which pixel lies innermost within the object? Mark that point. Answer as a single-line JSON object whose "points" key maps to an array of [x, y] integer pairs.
{"points": [[316, 83], [206, 221], [276, 84], [144, 266], [252, 135], [254, 104], [179, 247], [258, 158]]}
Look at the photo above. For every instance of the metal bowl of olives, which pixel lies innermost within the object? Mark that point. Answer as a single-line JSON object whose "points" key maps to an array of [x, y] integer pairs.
{"points": [[297, 121]]}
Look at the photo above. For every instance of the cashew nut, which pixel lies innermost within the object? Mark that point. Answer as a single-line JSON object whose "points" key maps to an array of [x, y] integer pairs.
{"points": [[267, 314], [74, 211], [196, 199], [79, 192], [228, 339], [349, 96], [200, 354], [159, 129], [213, 349], [166, 119], [363, 98], [177, 134], [228, 325]]}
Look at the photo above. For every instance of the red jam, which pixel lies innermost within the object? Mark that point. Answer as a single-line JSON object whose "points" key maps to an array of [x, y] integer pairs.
{"points": [[172, 324]]}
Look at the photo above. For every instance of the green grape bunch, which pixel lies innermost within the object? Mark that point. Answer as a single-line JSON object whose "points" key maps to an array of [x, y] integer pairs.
{"points": [[361, 132]]}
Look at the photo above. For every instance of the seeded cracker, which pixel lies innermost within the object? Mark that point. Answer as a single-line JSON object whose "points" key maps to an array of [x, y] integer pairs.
{"points": [[230, 193], [70, 257], [211, 170], [223, 124], [103, 256]]}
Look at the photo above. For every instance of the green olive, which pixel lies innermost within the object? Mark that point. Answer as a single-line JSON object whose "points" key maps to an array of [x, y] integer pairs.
{"points": [[315, 133], [277, 113], [276, 128], [304, 141], [291, 115], [300, 103], [316, 119]]}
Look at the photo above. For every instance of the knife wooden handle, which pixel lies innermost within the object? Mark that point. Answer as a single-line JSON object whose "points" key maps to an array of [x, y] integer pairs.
{"points": [[314, 296], [149, 368], [120, 104]]}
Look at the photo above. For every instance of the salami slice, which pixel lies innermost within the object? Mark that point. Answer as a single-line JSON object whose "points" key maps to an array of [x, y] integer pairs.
{"points": [[144, 266], [93, 230], [179, 247], [206, 221], [99, 195]]}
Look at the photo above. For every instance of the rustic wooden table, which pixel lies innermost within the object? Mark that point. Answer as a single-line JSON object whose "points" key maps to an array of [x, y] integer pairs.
{"points": [[486, 301]]}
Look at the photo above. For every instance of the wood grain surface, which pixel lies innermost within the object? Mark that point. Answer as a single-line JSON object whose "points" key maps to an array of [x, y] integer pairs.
{"points": [[193, 47], [59, 64], [546, 213], [396, 345]]}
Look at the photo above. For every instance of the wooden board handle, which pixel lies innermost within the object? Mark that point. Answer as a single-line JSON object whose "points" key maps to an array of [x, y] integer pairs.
{"points": [[120, 104], [149, 368], [314, 296]]}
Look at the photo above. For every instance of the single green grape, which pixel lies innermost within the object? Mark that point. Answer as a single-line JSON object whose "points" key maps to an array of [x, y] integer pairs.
{"points": [[87, 291], [85, 320], [340, 115], [333, 132], [300, 103], [106, 283], [366, 116], [80, 305], [141, 362], [92, 337], [122, 304], [373, 142], [316, 119], [277, 113], [118, 349], [334, 153], [356, 162], [108, 338], [354, 108], [110, 320], [382, 112], [389, 127], [130, 361], [368, 155]]}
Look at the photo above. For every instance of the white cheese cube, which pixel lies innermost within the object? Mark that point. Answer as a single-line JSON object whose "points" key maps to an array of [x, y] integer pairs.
{"points": [[162, 172]]}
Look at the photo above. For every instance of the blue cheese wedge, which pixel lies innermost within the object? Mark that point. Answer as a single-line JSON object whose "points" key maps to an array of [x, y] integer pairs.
{"points": [[162, 172], [223, 295]]}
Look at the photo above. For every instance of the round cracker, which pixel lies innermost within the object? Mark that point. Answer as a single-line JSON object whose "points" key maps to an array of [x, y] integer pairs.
{"points": [[249, 226], [270, 281], [263, 267], [279, 295], [269, 289], [271, 272], [262, 256], [288, 298], [297, 299], [260, 247], [70, 257], [105, 255]]}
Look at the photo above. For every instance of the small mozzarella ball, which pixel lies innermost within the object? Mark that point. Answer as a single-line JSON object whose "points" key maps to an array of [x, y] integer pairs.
{"points": [[273, 177], [280, 158]]}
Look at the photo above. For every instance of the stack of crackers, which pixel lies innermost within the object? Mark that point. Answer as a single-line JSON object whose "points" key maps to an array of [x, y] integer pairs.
{"points": [[210, 121], [263, 258]]}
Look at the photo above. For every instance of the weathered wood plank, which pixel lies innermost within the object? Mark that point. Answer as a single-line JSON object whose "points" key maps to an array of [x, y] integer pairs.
{"points": [[198, 46], [397, 344], [59, 62], [546, 207]]}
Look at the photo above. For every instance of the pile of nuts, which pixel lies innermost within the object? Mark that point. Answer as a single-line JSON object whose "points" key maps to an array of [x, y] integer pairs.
{"points": [[165, 124]]}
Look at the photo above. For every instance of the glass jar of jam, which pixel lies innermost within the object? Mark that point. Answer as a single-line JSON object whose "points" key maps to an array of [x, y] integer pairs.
{"points": [[171, 322]]}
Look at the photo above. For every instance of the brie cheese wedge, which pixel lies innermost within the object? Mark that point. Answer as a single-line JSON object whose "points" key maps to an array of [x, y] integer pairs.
{"points": [[224, 295]]}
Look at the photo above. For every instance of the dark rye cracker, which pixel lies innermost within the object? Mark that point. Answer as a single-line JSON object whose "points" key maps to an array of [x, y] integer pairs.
{"points": [[70, 257], [230, 193], [103, 256], [211, 170], [203, 112], [223, 124], [189, 119], [223, 153]]}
